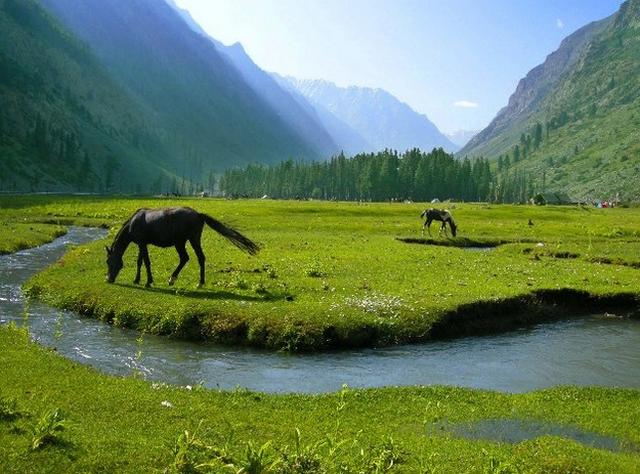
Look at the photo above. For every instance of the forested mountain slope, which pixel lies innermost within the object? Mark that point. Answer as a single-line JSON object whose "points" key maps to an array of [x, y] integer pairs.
{"points": [[581, 136], [202, 107], [64, 123], [299, 117]]}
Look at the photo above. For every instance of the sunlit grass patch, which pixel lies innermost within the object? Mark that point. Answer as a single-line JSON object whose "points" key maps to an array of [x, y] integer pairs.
{"points": [[15, 236]]}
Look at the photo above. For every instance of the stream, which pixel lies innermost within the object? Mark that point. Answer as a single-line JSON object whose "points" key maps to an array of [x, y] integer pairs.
{"points": [[591, 350]]}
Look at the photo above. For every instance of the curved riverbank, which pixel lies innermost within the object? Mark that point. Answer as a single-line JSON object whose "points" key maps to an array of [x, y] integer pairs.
{"points": [[18, 236], [469, 319], [604, 350]]}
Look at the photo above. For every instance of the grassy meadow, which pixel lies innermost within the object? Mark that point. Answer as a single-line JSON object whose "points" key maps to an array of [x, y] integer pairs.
{"points": [[323, 265], [336, 275], [87, 422], [20, 235]]}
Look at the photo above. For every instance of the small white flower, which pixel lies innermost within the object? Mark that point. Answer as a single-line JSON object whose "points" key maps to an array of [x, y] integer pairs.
{"points": [[166, 403]]}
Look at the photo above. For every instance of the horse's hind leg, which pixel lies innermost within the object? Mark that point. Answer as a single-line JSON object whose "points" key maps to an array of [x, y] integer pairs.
{"points": [[144, 252], [197, 248], [140, 259], [184, 258]]}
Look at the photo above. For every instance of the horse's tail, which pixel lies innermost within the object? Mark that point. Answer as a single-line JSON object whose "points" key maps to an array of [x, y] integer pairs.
{"points": [[233, 236]]}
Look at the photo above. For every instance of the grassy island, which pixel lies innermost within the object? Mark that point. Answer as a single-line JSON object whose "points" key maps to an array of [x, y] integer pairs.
{"points": [[336, 275]]}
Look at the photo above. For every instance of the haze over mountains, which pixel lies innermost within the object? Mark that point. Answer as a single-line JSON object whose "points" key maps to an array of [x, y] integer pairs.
{"points": [[105, 95], [377, 117], [461, 137], [352, 119]]}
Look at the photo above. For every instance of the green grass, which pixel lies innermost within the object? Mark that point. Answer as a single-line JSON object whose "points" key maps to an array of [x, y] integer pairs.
{"points": [[114, 424], [335, 274], [19, 236]]}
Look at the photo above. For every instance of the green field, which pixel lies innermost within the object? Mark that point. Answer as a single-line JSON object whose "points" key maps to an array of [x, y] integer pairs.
{"points": [[336, 275], [117, 424], [322, 265]]}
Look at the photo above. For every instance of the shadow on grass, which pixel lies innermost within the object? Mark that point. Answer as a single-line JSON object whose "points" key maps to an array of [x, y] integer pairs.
{"points": [[204, 294], [461, 242]]}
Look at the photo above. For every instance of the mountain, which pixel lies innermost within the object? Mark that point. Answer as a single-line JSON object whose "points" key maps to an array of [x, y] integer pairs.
{"points": [[65, 124], [461, 137], [348, 139], [572, 124], [533, 89], [303, 120], [207, 114], [381, 120], [325, 125]]}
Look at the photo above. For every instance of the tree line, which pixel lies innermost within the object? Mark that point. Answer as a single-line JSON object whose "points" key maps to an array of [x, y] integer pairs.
{"points": [[383, 176]]}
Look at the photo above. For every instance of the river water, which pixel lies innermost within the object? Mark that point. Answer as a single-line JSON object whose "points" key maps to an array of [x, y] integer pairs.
{"points": [[592, 350]]}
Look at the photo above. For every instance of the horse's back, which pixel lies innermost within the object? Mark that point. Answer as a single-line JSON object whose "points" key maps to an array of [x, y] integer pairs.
{"points": [[166, 226]]}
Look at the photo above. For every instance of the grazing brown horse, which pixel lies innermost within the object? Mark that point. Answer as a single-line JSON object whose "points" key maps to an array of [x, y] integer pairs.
{"points": [[168, 227], [442, 215]]}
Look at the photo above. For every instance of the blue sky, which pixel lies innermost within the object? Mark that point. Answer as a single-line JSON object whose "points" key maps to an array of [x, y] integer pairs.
{"points": [[457, 61]]}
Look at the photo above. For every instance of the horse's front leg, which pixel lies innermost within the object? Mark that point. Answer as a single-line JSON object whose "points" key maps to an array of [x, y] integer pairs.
{"points": [[444, 228], [147, 263], [140, 259]]}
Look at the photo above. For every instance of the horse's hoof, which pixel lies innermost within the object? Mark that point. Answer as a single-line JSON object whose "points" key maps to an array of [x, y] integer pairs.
{"points": [[136, 282], [171, 281], [200, 286], [148, 284]]}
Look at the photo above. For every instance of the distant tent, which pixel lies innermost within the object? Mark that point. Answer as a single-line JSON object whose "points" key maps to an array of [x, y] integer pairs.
{"points": [[435, 200]]}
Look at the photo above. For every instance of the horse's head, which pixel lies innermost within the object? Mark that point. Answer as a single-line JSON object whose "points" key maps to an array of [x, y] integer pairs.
{"points": [[423, 213], [454, 227], [114, 264]]}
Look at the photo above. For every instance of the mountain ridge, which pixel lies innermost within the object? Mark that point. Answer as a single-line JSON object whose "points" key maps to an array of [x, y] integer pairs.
{"points": [[582, 138], [304, 122], [376, 115], [536, 85]]}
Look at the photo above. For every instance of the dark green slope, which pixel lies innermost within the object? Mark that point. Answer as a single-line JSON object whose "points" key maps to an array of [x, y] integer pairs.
{"points": [[588, 143], [64, 124], [206, 113]]}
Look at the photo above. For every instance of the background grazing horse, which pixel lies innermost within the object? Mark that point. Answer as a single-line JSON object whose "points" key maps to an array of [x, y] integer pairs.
{"points": [[166, 228], [442, 215]]}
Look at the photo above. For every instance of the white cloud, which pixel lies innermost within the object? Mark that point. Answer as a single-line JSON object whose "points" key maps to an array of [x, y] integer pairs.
{"points": [[559, 23], [465, 104]]}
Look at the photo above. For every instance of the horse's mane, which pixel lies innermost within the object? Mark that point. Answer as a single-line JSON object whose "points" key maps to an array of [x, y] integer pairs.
{"points": [[447, 214], [124, 226]]}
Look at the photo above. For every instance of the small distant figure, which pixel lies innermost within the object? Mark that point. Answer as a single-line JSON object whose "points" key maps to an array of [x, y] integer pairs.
{"points": [[530, 222], [442, 215]]}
